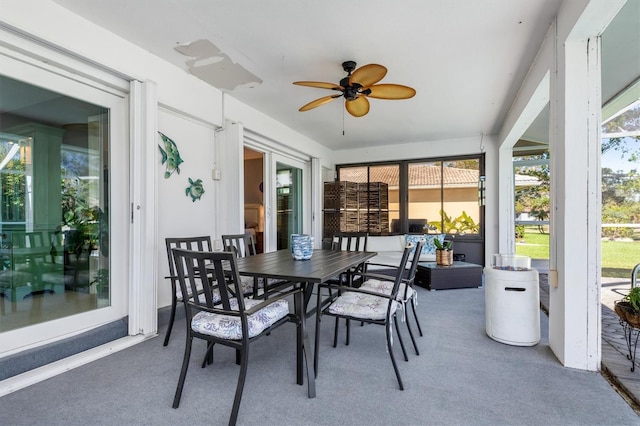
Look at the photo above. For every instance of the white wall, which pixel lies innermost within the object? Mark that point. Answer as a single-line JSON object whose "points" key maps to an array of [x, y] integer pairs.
{"points": [[178, 215]]}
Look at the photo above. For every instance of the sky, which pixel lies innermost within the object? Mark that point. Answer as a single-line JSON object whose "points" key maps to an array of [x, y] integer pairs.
{"points": [[615, 160]]}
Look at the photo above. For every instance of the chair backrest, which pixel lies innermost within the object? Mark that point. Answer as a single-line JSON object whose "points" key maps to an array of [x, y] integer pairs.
{"points": [[349, 241], [245, 244], [32, 240], [400, 274], [410, 277], [218, 267], [202, 243]]}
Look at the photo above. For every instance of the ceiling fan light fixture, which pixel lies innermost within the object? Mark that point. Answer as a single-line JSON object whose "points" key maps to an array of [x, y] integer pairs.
{"points": [[357, 86]]}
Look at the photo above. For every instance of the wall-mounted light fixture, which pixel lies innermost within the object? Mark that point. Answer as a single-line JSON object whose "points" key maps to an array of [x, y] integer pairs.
{"points": [[481, 190]]}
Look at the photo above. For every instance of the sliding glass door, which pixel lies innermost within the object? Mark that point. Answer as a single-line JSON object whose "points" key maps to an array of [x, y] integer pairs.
{"points": [[56, 151]]}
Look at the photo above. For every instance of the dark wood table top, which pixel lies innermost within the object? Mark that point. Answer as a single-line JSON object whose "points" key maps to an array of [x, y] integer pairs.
{"points": [[323, 265]]}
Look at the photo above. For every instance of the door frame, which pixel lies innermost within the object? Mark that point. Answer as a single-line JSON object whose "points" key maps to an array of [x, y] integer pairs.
{"points": [[21, 59], [273, 153]]}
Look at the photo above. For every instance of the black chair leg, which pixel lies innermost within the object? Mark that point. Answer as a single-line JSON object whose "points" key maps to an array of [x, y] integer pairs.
{"points": [[317, 339], [415, 315], [413, 340], [348, 332], [172, 317], [183, 372], [335, 333], [404, 350], [208, 356], [244, 357], [393, 359]]}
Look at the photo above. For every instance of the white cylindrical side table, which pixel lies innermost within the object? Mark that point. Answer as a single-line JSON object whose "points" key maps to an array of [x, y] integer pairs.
{"points": [[512, 306]]}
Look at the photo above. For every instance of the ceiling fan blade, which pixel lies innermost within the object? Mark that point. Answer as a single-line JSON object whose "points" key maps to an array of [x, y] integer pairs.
{"points": [[391, 91], [319, 84], [368, 75], [357, 107], [319, 102]]}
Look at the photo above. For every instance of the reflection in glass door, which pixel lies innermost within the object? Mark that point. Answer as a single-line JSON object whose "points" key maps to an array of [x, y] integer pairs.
{"points": [[288, 203], [54, 247]]}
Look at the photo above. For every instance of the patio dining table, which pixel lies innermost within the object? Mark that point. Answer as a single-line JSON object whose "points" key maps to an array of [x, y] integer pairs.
{"points": [[323, 266]]}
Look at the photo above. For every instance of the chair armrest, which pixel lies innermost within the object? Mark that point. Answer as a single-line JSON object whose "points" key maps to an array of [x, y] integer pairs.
{"points": [[384, 277], [214, 310], [356, 290], [382, 264], [274, 288], [270, 300]]}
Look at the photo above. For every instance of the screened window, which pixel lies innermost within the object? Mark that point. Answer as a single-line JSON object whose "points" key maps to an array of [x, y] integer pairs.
{"points": [[444, 195]]}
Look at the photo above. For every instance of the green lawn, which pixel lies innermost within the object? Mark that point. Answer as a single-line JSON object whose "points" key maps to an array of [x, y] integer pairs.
{"points": [[618, 258]]}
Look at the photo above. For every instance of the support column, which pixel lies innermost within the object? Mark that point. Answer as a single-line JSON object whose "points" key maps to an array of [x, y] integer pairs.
{"points": [[230, 188], [316, 201], [505, 193], [143, 291], [574, 307]]}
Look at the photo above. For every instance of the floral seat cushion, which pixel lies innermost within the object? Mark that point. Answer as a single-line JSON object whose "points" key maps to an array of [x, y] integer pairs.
{"points": [[360, 305], [385, 287], [230, 327]]}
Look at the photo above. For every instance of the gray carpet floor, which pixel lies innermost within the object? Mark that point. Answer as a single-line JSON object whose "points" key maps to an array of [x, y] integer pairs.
{"points": [[460, 377]]}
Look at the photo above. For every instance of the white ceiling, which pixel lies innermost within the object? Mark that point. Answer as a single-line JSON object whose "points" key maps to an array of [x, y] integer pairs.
{"points": [[465, 58]]}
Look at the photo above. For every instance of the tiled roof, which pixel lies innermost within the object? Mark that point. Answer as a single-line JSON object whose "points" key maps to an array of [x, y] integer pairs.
{"points": [[419, 175], [424, 175]]}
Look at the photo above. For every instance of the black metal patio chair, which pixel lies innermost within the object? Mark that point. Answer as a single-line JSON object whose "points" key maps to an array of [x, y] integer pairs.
{"points": [[361, 304], [200, 243], [236, 321], [407, 294], [348, 241], [245, 245]]}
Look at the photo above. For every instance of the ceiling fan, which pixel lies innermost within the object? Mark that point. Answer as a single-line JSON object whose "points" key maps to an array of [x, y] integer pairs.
{"points": [[357, 86]]}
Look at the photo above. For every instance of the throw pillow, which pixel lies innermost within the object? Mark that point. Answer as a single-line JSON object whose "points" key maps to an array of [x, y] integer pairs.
{"points": [[413, 239], [428, 247]]}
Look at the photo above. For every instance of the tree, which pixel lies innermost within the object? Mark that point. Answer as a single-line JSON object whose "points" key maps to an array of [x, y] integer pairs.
{"points": [[13, 186], [534, 198], [628, 122], [620, 201], [620, 190]]}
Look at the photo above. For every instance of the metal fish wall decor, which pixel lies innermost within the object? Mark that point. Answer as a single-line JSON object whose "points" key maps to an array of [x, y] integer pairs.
{"points": [[170, 156]]}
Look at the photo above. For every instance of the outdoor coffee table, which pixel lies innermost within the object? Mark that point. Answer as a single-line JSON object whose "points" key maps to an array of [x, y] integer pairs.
{"points": [[458, 275]]}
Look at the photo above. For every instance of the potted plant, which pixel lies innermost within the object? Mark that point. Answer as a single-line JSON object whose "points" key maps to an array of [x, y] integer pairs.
{"points": [[628, 309], [444, 252]]}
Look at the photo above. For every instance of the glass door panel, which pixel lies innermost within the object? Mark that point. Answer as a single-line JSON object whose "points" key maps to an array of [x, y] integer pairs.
{"points": [[54, 250], [288, 203]]}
